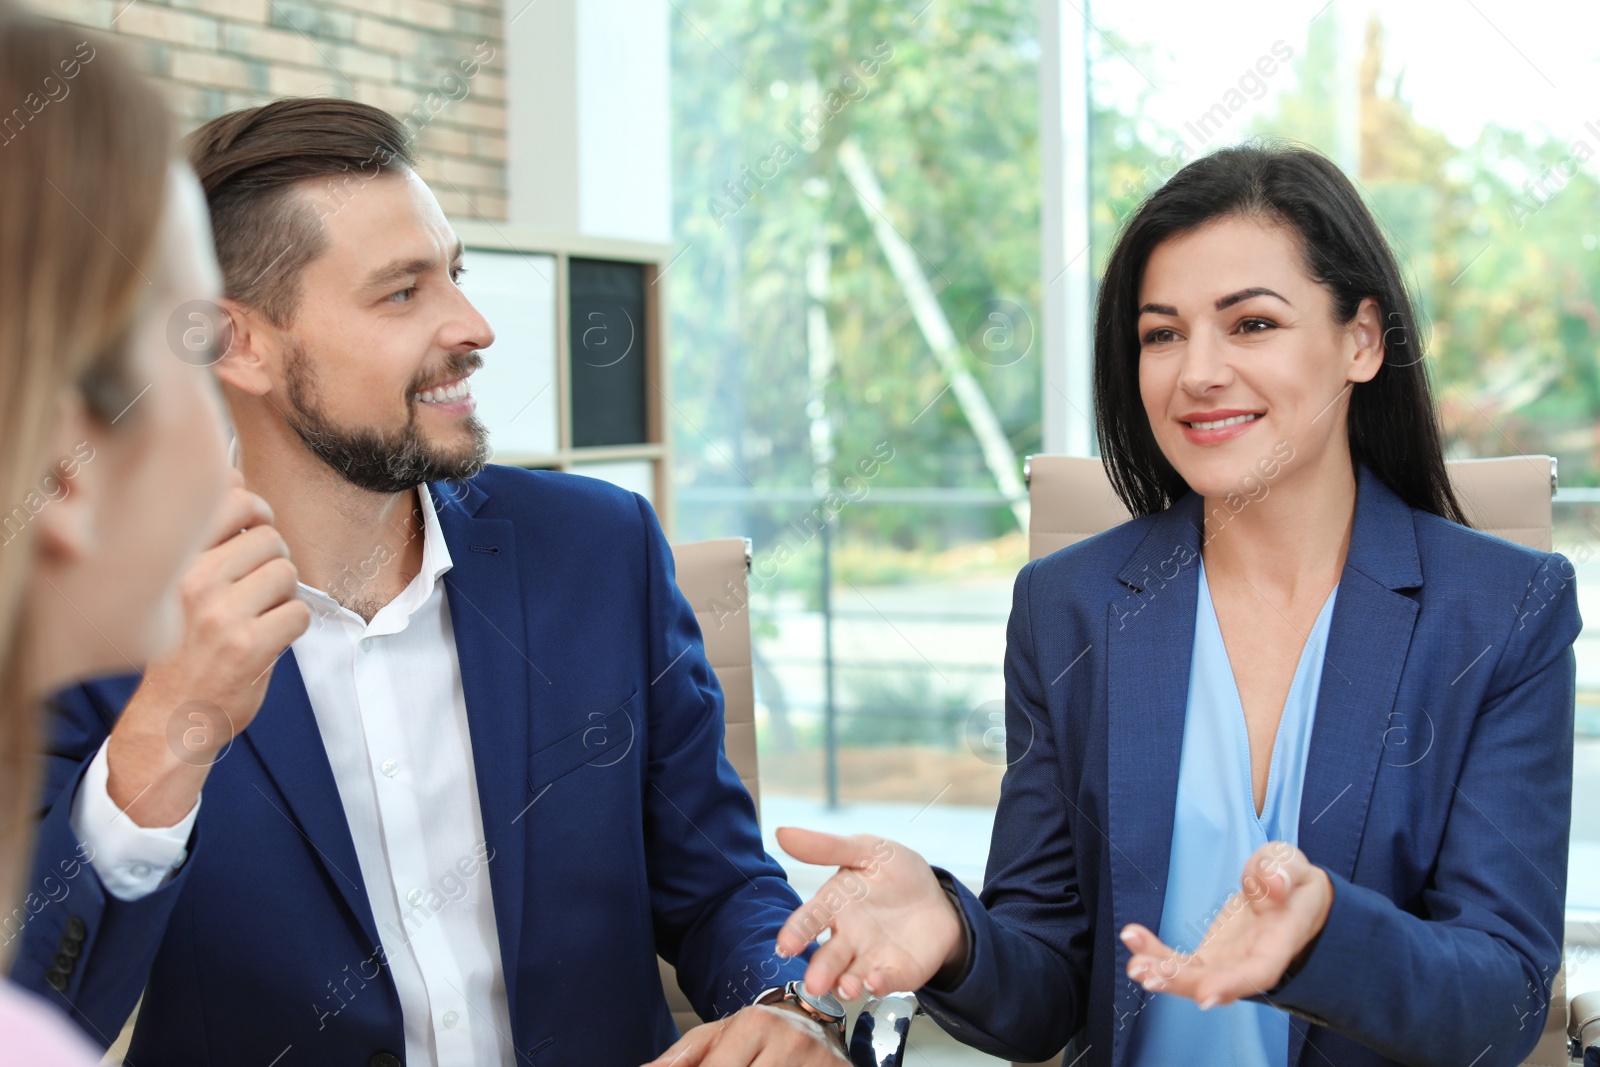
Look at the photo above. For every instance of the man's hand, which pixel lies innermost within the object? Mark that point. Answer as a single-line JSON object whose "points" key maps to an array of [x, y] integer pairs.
{"points": [[892, 925], [240, 612], [764, 1035], [1282, 906]]}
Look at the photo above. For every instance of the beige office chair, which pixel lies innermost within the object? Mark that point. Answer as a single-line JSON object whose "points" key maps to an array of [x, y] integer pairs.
{"points": [[1071, 498], [711, 575]]}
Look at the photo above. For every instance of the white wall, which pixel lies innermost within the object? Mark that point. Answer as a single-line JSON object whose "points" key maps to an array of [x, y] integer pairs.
{"points": [[588, 117]]}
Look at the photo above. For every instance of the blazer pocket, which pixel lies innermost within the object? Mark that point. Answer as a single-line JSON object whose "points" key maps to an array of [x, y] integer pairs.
{"points": [[604, 740]]}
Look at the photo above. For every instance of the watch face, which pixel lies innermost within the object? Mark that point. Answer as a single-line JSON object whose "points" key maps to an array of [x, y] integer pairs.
{"points": [[826, 1004]]}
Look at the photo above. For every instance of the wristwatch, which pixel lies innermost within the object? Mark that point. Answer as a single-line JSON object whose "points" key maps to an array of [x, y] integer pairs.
{"points": [[824, 1009]]}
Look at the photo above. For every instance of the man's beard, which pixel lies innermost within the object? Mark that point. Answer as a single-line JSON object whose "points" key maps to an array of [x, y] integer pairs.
{"points": [[371, 459]]}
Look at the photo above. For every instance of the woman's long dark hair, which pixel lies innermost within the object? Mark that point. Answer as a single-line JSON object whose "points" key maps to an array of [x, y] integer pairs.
{"points": [[1393, 426]]}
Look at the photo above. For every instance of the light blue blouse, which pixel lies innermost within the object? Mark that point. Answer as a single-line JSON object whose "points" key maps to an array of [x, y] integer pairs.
{"points": [[1215, 830]]}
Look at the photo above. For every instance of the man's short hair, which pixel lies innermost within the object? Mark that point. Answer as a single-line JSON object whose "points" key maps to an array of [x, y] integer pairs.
{"points": [[249, 163]]}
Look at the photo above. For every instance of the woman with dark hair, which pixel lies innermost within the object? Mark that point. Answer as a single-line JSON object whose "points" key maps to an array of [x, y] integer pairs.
{"points": [[1289, 752]]}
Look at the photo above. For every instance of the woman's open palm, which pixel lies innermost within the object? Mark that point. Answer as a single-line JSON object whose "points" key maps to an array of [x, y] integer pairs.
{"points": [[1282, 905], [892, 926]]}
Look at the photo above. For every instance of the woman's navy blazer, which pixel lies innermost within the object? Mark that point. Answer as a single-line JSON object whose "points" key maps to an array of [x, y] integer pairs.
{"points": [[1437, 796]]}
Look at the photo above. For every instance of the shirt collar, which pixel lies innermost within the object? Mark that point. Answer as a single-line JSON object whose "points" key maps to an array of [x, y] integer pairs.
{"points": [[435, 552]]}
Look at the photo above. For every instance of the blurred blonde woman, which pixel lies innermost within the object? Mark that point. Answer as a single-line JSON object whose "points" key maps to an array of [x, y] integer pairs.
{"points": [[113, 470]]}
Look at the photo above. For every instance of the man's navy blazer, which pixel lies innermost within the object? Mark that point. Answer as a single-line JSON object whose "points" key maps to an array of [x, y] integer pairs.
{"points": [[615, 828], [1438, 794]]}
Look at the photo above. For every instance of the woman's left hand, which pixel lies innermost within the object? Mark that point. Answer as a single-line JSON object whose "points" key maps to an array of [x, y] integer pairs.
{"points": [[1280, 909]]}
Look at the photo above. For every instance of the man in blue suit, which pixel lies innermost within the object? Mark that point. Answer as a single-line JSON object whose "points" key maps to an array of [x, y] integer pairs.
{"points": [[486, 788]]}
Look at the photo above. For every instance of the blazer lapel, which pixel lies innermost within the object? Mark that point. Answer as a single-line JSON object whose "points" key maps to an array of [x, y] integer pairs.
{"points": [[1149, 641], [486, 614], [1368, 639], [287, 740]]}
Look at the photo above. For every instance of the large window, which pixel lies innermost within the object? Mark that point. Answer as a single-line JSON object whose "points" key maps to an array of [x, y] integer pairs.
{"points": [[855, 379]]}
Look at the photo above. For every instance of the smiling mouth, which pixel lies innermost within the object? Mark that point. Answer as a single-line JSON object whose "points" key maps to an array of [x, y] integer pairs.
{"points": [[1218, 424], [447, 393]]}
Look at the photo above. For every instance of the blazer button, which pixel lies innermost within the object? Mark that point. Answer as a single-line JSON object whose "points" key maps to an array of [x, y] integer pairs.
{"points": [[69, 948], [63, 963], [57, 979], [75, 928], [384, 1059]]}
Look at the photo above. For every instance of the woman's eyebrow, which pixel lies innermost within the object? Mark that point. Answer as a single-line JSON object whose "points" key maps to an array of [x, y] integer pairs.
{"points": [[1222, 302], [1245, 294]]}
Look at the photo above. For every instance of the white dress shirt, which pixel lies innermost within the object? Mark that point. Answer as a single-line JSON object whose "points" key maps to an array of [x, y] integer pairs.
{"points": [[388, 700]]}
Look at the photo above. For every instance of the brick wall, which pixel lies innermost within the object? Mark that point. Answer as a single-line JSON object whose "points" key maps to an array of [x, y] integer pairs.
{"points": [[437, 64]]}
